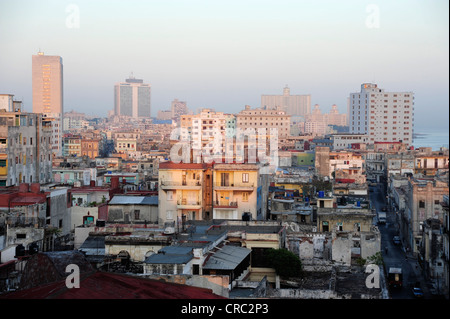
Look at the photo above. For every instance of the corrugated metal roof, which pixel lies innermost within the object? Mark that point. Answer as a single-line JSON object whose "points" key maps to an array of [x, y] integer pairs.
{"points": [[133, 200], [227, 258], [171, 255]]}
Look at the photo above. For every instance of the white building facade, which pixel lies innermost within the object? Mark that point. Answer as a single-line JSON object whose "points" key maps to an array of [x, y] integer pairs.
{"points": [[383, 116]]}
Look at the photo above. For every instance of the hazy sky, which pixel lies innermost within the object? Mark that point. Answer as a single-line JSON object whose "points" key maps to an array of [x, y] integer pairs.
{"points": [[226, 54]]}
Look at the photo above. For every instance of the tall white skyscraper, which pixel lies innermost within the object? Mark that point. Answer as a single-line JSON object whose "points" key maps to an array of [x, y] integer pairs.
{"points": [[383, 116], [132, 98]]}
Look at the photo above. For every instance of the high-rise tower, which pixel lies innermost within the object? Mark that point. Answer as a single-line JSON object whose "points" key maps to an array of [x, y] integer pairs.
{"points": [[132, 98]]}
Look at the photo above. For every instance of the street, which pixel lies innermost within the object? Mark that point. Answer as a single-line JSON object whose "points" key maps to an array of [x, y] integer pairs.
{"points": [[394, 255]]}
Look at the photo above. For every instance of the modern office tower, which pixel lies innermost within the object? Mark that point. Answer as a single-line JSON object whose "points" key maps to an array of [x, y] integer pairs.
{"points": [[292, 104], [47, 82], [383, 116], [132, 98]]}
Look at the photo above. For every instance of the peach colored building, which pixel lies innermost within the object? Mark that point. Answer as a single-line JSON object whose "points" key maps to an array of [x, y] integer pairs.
{"points": [[47, 82]]}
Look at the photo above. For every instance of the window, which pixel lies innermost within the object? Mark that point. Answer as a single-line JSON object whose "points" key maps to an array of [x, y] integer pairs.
{"points": [[169, 215], [245, 177], [136, 213], [169, 195], [224, 179], [245, 197], [421, 204]]}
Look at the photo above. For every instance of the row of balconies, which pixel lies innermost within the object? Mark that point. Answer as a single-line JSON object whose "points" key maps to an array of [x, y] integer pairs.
{"points": [[192, 204]]}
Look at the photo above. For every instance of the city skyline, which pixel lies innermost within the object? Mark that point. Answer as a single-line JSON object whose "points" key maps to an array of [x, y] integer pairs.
{"points": [[227, 55]]}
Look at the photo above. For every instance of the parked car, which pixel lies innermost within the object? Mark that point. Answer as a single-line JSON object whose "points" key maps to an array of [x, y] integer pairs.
{"points": [[417, 291], [396, 240]]}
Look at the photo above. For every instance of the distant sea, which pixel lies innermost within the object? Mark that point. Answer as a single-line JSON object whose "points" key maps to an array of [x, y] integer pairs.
{"points": [[431, 137]]}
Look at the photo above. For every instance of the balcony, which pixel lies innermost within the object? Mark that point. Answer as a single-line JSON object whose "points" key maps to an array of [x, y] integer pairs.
{"points": [[225, 205], [248, 187], [188, 204], [187, 185]]}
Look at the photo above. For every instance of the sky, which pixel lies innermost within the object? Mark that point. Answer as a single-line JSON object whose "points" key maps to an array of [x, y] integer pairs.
{"points": [[226, 54]]}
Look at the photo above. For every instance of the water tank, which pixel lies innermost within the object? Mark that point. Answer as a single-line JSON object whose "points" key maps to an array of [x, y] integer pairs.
{"points": [[20, 250], [245, 216], [33, 248], [100, 223], [358, 204], [321, 194]]}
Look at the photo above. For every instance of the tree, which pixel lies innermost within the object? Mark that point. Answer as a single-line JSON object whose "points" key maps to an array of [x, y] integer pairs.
{"points": [[376, 259], [285, 263]]}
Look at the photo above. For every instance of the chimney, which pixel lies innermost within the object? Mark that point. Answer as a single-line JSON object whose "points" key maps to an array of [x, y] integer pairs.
{"points": [[114, 182], [35, 188], [23, 188]]}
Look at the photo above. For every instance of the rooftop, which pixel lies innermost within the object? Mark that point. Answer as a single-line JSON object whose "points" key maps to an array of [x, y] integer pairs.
{"points": [[103, 285], [133, 200]]}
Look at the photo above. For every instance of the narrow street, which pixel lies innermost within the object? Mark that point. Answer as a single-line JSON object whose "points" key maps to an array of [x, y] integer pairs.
{"points": [[395, 255]]}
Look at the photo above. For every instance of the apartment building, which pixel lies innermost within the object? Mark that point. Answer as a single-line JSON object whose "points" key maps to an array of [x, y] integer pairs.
{"points": [[344, 165], [72, 146], [384, 116], [429, 162], [201, 191], [185, 192], [126, 141], [178, 108], [264, 118], [208, 131], [423, 201], [91, 147], [235, 192], [344, 141], [25, 153]]}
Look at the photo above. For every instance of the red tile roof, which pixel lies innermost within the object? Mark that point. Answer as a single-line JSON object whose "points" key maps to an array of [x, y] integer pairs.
{"points": [[105, 285]]}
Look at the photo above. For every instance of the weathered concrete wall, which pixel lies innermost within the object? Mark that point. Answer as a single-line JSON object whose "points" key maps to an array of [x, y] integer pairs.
{"points": [[137, 252], [341, 251], [370, 245]]}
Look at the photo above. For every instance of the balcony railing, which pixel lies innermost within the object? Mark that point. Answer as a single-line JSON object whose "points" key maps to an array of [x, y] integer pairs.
{"points": [[219, 184], [225, 204], [183, 183], [188, 202]]}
